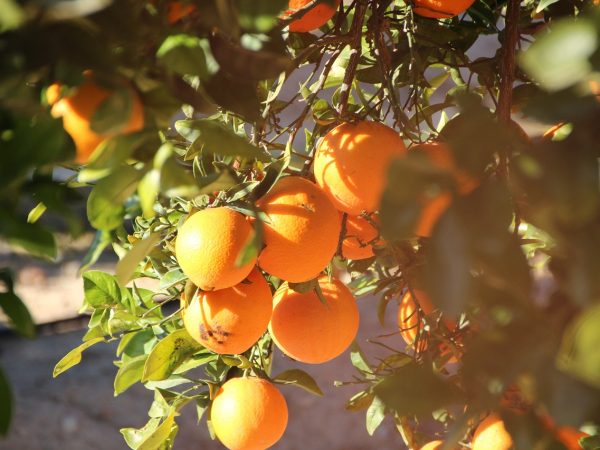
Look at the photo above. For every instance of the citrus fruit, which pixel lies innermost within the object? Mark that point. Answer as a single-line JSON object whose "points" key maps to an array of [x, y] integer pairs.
{"points": [[433, 445], [230, 320], [409, 318], [351, 164], [78, 109], [359, 238], [491, 434], [249, 414], [441, 9], [208, 245], [569, 437], [310, 331], [303, 230], [313, 19]]}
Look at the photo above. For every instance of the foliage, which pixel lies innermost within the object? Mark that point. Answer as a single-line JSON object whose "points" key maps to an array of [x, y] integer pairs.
{"points": [[533, 219]]}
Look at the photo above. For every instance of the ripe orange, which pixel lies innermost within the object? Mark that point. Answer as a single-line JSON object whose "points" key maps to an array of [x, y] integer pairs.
{"points": [[433, 445], [231, 320], [491, 434], [208, 245], [351, 164], [303, 232], [409, 318], [359, 238], [249, 414], [569, 436], [177, 11], [441, 9], [77, 110], [434, 206], [310, 331], [313, 19]]}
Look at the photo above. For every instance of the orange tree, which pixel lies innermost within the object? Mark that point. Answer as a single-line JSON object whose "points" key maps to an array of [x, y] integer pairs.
{"points": [[246, 154]]}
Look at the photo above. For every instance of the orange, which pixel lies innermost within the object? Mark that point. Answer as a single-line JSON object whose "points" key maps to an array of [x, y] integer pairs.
{"points": [[359, 238], [231, 320], [310, 331], [432, 207], [208, 245], [177, 11], [491, 434], [433, 445], [249, 414], [409, 318], [78, 109], [441, 9], [303, 230], [313, 19], [569, 436], [351, 164]]}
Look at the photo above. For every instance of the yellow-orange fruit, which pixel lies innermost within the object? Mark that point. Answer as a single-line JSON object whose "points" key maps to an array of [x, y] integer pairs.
{"points": [[303, 230], [208, 245], [433, 445], [249, 414], [230, 321], [491, 434], [433, 207], [569, 437], [360, 236], [78, 109], [178, 10], [313, 19], [441, 9], [310, 331], [351, 164], [409, 318]]}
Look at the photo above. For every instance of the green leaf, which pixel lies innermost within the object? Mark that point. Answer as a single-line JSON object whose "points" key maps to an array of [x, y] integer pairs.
{"points": [[5, 404], [74, 357], [590, 443], [127, 266], [579, 354], [160, 435], [105, 203], [559, 58], [134, 437], [36, 212], [168, 354], [129, 373], [113, 113], [101, 289], [18, 314], [358, 359], [171, 278], [148, 189], [414, 389], [12, 15], [259, 16], [187, 55], [375, 415], [214, 137], [300, 379], [543, 4], [31, 237]]}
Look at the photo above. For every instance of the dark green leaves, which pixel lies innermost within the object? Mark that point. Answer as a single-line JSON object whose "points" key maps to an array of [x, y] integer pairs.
{"points": [[214, 137], [5, 404], [415, 389], [31, 237], [14, 308]]}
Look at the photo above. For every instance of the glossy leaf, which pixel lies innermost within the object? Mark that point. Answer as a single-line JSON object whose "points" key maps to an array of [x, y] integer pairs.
{"points": [[168, 354], [299, 378]]}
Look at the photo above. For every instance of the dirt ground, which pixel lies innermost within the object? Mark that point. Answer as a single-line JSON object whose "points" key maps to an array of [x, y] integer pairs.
{"points": [[77, 411]]}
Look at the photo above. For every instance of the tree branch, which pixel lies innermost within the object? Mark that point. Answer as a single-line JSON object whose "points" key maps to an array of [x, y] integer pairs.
{"points": [[355, 53]]}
